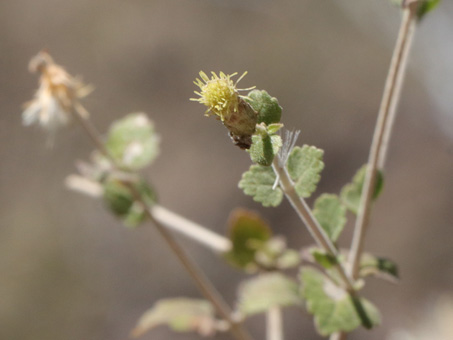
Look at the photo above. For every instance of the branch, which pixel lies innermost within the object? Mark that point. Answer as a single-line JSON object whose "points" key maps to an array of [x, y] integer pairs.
{"points": [[382, 131], [191, 229], [202, 282], [305, 214], [274, 327]]}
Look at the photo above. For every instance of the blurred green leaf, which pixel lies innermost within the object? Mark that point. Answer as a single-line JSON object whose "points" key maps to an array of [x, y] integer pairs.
{"points": [[334, 309], [351, 192], [267, 107], [304, 166], [426, 6], [258, 182], [265, 291], [331, 215], [180, 314], [122, 203], [274, 255], [378, 266], [325, 260], [247, 232], [132, 141]]}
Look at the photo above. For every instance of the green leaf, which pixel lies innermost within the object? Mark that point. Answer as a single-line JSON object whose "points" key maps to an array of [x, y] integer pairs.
{"points": [[132, 141], [122, 203], [274, 255], [180, 314], [264, 148], [379, 267], [265, 291], [258, 182], [247, 231], [304, 166], [351, 192], [322, 258], [334, 309], [331, 215], [426, 6], [267, 107]]}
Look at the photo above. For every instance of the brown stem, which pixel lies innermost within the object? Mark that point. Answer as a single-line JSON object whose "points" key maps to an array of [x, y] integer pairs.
{"points": [[202, 282], [382, 132]]}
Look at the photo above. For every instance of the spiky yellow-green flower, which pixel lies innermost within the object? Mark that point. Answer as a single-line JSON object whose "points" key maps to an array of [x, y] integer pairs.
{"points": [[220, 94]]}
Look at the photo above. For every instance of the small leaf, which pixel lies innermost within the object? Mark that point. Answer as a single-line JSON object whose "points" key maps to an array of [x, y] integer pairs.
{"points": [[258, 182], [121, 200], [264, 148], [265, 291], [334, 309], [331, 215], [132, 141], [304, 166], [274, 255], [378, 266], [351, 192], [322, 258], [180, 314], [247, 231], [426, 6], [274, 128], [267, 107]]}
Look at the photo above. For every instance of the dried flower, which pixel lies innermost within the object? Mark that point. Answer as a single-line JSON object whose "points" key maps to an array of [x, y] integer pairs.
{"points": [[56, 97], [221, 95]]}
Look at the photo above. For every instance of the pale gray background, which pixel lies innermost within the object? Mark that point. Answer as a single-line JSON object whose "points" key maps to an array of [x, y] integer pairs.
{"points": [[71, 271]]}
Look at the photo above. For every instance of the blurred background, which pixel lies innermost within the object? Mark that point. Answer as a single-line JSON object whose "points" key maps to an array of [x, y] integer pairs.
{"points": [[69, 270]]}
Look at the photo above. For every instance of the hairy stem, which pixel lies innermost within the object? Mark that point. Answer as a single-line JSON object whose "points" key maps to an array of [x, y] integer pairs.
{"points": [[202, 282], [306, 215], [382, 132], [274, 324]]}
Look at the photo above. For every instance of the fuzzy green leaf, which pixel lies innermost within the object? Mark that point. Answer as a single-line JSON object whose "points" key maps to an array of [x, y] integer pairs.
{"points": [[265, 291], [331, 215], [334, 309], [258, 182], [180, 314], [304, 166], [267, 107], [351, 192], [264, 148], [132, 141], [121, 201], [379, 267], [426, 6], [247, 232]]}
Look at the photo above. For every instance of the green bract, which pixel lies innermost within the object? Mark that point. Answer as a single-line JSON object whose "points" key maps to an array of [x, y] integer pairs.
{"points": [[132, 141], [264, 147], [351, 193], [304, 166], [267, 107], [331, 215], [258, 182], [335, 310], [247, 232], [122, 203], [265, 291], [180, 314]]}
